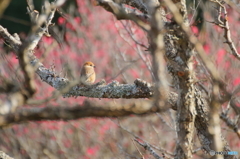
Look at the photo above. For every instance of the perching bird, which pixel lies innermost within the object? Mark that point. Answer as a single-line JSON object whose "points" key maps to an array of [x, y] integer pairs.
{"points": [[88, 75]]}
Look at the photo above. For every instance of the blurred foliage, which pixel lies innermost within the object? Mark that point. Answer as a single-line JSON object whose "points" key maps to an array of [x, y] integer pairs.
{"points": [[16, 19]]}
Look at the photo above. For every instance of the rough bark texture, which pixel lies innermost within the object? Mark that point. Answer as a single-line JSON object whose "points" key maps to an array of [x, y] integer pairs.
{"points": [[140, 89], [179, 53]]}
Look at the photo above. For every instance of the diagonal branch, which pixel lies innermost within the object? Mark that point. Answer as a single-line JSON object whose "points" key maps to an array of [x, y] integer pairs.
{"points": [[123, 13], [26, 58], [231, 124], [147, 147], [225, 25], [11, 40]]}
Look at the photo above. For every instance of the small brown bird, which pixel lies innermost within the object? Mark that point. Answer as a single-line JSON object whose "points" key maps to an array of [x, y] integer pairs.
{"points": [[88, 75]]}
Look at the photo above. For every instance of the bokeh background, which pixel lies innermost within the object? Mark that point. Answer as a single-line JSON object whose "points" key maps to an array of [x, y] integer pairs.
{"points": [[119, 49]]}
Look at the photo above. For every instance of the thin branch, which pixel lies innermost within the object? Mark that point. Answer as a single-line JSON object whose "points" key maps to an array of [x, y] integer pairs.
{"points": [[164, 151], [137, 149], [225, 25], [230, 124], [147, 147], [11, 40]]}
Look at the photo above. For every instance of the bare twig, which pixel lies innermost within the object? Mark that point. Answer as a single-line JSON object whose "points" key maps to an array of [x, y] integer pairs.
{"points": [[223, 23], [137, 149], [11, 40], [151, 145], [149, 149], [230, 124]]}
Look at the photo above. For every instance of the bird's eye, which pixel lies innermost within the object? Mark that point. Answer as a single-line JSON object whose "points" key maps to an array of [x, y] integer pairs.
{"points": [[90, 65]]}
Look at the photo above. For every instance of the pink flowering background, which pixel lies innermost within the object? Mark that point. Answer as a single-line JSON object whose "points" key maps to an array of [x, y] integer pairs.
{"points": [[118, 49]]}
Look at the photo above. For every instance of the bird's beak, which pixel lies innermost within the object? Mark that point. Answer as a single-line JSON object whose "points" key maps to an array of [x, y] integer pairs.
{"points": [[94, 66]]}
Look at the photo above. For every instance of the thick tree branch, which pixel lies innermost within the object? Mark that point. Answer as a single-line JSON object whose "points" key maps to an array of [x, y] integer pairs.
{"points": [[158, 51], [123, 13], [140, 89], [136, 4], [88, 109], [178, 56], [202, 102], [179, 52]]}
